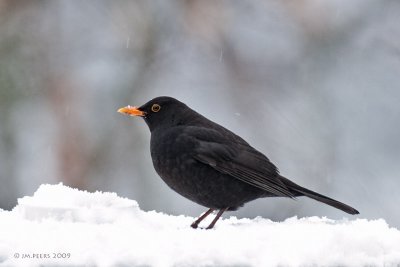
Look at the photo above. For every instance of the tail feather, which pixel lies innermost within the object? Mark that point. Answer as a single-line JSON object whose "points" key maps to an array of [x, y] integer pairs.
{"points": [[321, 198]]}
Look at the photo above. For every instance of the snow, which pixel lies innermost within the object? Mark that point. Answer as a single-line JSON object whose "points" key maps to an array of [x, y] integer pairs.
{"points": [[62, 226]]}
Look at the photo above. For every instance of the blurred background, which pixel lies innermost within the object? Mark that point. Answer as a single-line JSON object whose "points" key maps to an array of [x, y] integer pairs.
{"points": [[313, 84]]}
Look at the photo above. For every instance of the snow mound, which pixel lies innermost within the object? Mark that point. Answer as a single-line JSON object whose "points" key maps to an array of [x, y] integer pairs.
{"points": [[68, 204], [61, 226]]}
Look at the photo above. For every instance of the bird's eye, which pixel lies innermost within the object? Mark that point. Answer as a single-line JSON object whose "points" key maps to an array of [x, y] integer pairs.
{"points": [[155, 108]]}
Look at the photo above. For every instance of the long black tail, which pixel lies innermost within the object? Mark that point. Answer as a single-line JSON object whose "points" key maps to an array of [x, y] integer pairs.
{"points": [[321, 198]]}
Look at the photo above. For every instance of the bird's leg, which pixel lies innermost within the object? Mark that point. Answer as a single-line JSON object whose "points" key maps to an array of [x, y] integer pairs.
{"points": [[216, 218], [195, 224]]}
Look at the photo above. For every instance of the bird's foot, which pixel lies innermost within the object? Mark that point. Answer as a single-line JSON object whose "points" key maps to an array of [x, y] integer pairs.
{"points": [[194, 225]]}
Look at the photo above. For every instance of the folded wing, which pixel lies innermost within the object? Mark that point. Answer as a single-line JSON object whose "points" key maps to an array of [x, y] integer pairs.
{"points": [[237, 159]]}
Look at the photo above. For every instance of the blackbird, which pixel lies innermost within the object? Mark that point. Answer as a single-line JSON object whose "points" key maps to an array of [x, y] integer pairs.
{"points": [[210, 165]]}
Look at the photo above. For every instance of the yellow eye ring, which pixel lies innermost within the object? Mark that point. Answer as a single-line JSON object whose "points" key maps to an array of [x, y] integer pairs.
{"points": [[155, 108]]}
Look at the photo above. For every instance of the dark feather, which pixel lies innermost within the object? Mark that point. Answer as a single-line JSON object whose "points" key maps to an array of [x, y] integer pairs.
{"points": [[238, 160]]}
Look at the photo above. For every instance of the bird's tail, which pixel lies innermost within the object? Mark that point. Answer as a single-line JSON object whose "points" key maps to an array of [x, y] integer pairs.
{"points": [[298, 190]]}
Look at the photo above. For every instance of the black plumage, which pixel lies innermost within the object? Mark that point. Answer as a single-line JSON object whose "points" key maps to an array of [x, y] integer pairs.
{"points": [[210, 165]]}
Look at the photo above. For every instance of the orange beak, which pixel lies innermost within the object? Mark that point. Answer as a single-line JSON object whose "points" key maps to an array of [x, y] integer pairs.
{"points": [[132, 111]]}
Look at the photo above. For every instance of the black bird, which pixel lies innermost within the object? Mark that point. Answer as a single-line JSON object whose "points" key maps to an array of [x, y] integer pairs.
{"points": [[210, 165]]}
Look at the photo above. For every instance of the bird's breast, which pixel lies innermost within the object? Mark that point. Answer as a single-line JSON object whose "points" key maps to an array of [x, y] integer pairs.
{"points": [[171, 155]]}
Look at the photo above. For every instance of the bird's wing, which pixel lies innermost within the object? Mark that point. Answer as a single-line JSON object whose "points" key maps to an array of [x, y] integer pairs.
{"points": [[238, 160]]}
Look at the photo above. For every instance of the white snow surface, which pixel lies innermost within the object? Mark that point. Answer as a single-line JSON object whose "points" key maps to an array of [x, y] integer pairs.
{"points": [[62, 226]]}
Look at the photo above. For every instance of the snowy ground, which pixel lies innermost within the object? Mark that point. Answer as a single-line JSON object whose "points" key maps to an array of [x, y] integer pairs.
{"points": [[61, 226]]}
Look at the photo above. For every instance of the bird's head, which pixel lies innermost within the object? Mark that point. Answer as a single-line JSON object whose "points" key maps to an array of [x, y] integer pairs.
{"points": [[160, 112]]}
